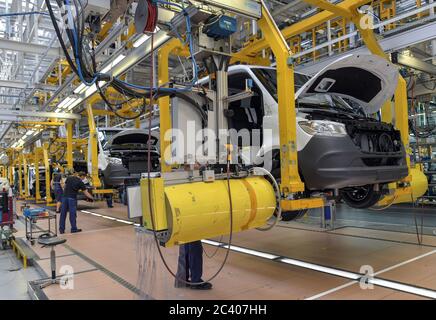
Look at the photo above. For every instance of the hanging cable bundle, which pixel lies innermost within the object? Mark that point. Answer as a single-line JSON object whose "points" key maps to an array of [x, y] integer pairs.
{"points": [[81, 57]]}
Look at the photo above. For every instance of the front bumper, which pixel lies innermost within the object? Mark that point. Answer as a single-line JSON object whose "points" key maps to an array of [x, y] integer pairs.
{"points": [[336, 162], [115, 174]]}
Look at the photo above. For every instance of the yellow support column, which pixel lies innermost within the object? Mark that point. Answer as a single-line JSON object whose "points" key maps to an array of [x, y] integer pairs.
{"points": [[20, 177], [290, 179], [94, 147], [402, 115], [26, 177], [164, 103], [48, 198], [37, 177], [69, 126], [386, 112]]}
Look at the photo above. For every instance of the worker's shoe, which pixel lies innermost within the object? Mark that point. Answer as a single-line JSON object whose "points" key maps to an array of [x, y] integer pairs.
{"points": [[203, 286], [76, 230], [61, 231]]}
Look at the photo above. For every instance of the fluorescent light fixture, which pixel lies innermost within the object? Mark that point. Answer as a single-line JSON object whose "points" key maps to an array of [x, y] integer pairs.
{"points": [[307, 265], [212, 243], [253, 252], [80, 89], [72, 104], [113, 63], [403, 287], [93, 89], [143, 38], [64, 102]]}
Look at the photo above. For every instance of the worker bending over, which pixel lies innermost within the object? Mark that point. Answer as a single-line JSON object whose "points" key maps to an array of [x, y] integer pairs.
{"points": [[73, 185]]}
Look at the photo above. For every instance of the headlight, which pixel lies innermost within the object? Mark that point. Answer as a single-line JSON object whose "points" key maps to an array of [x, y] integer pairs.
{"points": [[112, 160], [323, 128]]}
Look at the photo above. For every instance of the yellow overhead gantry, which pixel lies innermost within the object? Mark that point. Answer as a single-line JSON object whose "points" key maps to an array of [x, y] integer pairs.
{"points": [[346, 9]]}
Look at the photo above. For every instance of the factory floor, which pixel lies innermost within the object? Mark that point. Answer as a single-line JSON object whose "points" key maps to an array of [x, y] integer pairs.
{"points": [[296, 260]]}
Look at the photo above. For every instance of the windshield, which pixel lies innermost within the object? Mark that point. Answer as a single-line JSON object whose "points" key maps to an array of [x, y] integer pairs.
{"points": [[268, 78]]}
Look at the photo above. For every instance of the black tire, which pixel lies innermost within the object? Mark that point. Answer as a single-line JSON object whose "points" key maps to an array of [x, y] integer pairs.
{"points": [[361, 197], [293, 215]]}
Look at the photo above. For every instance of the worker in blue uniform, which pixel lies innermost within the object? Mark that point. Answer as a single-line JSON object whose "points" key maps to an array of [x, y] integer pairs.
{"points": [[190, 267], [73, 185]]}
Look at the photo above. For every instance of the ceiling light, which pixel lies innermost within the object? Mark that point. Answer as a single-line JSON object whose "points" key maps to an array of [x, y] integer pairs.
{"points": [[110, 66], [93, 89], [72, 104], [80, 89], [64, 102], [143, 38]]}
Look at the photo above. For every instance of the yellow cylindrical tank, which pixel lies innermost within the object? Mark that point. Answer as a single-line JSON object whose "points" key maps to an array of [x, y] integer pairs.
{"points": [[418, 184], [202, 210]]}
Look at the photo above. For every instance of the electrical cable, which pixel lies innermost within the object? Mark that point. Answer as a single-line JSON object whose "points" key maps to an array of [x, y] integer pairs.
{"points": [[211, 256], [79, 61], [150, 196], [59, 35], [13, 14], [420, 236]]}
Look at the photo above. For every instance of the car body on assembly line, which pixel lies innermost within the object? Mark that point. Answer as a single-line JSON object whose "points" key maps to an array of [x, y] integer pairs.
{"points": [[123, 155], [341, 145]]}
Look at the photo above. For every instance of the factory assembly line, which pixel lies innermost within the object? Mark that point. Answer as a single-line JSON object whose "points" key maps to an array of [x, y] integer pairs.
{"points": [[217, 149]]}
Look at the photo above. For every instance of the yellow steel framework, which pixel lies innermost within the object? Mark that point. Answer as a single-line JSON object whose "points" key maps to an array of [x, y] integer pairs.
{"points": [[290, 179], [94, 147], [164, 103], [69, 145]]}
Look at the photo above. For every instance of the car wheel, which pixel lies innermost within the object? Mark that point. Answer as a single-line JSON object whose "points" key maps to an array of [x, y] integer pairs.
{"points": [[361, 197]]}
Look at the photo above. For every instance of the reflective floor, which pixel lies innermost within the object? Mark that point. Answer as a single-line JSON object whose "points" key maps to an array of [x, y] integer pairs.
{"points": [[302, 261]]}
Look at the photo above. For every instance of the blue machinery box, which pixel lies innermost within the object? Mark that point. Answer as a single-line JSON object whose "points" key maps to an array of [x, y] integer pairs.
{"points": [[222, 27]]}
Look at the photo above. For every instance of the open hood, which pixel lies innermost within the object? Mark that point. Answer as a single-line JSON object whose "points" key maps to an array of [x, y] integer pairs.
{"points": [[133, 137], [368, 80]]}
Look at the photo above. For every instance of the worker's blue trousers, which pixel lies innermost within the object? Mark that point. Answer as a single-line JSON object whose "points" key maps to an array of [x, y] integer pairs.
{"points": [[190, 265], [68, 205]]}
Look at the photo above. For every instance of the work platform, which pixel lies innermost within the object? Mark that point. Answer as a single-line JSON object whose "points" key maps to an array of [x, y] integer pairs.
{"points": [[295, 260]]}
